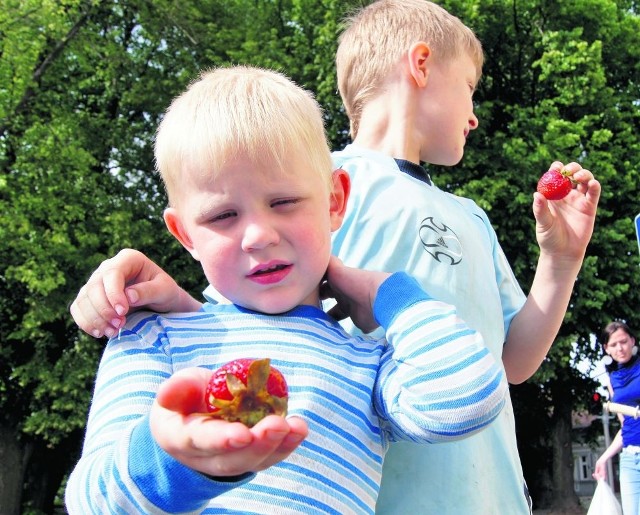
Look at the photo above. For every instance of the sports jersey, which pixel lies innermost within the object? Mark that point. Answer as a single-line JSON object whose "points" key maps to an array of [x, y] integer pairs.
{"points": [[430, 380], [399, 221]]}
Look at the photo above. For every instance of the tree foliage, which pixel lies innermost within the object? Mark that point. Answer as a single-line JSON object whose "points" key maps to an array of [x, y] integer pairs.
{"points": [[83, 84]]}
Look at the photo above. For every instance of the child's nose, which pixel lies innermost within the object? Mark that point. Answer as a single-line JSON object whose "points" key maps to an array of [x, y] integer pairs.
{"points": [[258, 235]]}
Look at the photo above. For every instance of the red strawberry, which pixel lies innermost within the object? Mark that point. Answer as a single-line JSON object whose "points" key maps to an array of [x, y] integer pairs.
{"points": [[555, 185], [247, 390]]}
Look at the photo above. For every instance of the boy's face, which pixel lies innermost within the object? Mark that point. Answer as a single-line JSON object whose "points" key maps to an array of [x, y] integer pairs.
{"points": [[446, 111], [263, 236]]}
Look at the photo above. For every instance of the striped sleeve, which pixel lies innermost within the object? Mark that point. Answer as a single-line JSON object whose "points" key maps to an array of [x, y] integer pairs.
{"points": [[437, 380], [122, 469]]}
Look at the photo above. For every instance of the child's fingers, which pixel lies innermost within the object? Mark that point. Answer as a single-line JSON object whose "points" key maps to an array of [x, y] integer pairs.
{"points": [[113, 284], [126, 267], [90, 323], [184, 392], [92, 311], [541, 211], [214, 446], [582, 176], [556, 165], [159, 293], [298, 432], [272, 440], [593, 192]]}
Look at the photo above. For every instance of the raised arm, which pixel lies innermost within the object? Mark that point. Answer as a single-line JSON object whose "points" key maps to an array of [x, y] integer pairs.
{"points": [[563, 229], [437, 380], [122, 284]]}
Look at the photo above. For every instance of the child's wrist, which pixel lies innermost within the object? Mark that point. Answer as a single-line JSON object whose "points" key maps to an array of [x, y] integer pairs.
{"points": [[558, 264]]}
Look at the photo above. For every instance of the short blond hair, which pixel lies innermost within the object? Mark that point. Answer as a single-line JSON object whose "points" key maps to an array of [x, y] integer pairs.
{"points": [[377, 36], [239, 111]]}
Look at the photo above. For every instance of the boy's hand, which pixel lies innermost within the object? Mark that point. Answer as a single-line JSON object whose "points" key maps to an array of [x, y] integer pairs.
{"points": [[564, 227], [127, 280], [180, 425], [563, 230], [355, 291]]}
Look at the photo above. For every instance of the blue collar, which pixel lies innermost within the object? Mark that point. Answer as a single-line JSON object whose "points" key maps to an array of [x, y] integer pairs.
{"points": [[414, 170]]}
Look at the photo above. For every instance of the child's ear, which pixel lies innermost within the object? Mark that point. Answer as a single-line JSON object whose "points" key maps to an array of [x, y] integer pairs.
{"points": [[175, 226], [339, 197], [418, 57]]}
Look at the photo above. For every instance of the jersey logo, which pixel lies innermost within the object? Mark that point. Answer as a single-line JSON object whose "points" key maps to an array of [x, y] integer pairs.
{"points": [[440, 241]]}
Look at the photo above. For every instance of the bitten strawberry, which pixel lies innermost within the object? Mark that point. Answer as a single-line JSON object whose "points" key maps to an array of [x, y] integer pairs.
{"points": [[555, 185], [247, 390]]}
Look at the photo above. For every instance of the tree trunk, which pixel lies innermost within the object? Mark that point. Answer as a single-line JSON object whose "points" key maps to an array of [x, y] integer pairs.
{"points": [[563, 499], [13, 462]]}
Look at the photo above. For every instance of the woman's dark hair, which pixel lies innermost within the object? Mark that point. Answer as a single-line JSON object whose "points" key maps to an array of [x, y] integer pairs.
{"points": [[611, 328]]}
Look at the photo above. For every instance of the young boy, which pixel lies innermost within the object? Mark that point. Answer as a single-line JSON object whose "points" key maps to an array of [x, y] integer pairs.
{"points": [[252, 196], [410, 101]]}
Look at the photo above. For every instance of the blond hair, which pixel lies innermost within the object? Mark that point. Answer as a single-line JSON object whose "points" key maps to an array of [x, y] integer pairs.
{"points": [[239, 111], [376, 38]]}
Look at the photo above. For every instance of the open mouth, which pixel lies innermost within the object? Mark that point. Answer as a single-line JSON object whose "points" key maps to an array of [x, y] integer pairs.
{"points": [[270, 270]]}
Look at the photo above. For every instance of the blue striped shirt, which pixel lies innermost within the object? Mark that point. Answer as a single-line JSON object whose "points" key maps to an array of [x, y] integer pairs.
{"points": [[430, 380]]}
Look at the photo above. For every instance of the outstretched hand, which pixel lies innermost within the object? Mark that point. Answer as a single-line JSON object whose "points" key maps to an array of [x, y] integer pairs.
{"points": [[355, 291], [127, 281], [180, 425], [564, 227]]}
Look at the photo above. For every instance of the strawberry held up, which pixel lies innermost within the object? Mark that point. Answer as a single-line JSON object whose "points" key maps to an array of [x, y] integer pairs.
{"points": [[555, 184]]}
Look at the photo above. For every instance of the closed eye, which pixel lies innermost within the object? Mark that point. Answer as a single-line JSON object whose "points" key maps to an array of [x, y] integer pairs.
{"points": [[285, 202], [224, 216]]}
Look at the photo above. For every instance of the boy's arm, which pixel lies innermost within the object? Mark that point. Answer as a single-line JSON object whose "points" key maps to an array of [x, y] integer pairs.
{"points": [[563, 231], [126, 385], [437, 381], [180, 426], [124, 469], [122, 284]]}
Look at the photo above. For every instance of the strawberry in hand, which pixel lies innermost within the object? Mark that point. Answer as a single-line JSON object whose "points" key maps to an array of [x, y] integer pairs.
{"points": [[555, 184], [246, 390]]}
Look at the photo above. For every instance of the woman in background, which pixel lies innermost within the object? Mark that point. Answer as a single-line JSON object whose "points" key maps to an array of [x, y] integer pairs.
{"points": [[623, 368]]}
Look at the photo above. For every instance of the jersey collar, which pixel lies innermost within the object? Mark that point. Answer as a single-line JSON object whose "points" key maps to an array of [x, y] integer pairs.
{"points": [[414, 170]]}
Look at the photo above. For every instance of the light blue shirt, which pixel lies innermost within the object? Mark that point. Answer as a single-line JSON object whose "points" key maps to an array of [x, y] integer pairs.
{"points": [[395, 222], [430, 380]]}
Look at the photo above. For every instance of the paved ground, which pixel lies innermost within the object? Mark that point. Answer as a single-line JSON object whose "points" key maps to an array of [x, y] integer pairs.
{"points": [[584, 501]]}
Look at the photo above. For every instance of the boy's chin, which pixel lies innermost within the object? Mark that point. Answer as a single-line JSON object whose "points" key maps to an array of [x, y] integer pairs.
{"points": [[275, 307], [455, 160]]}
